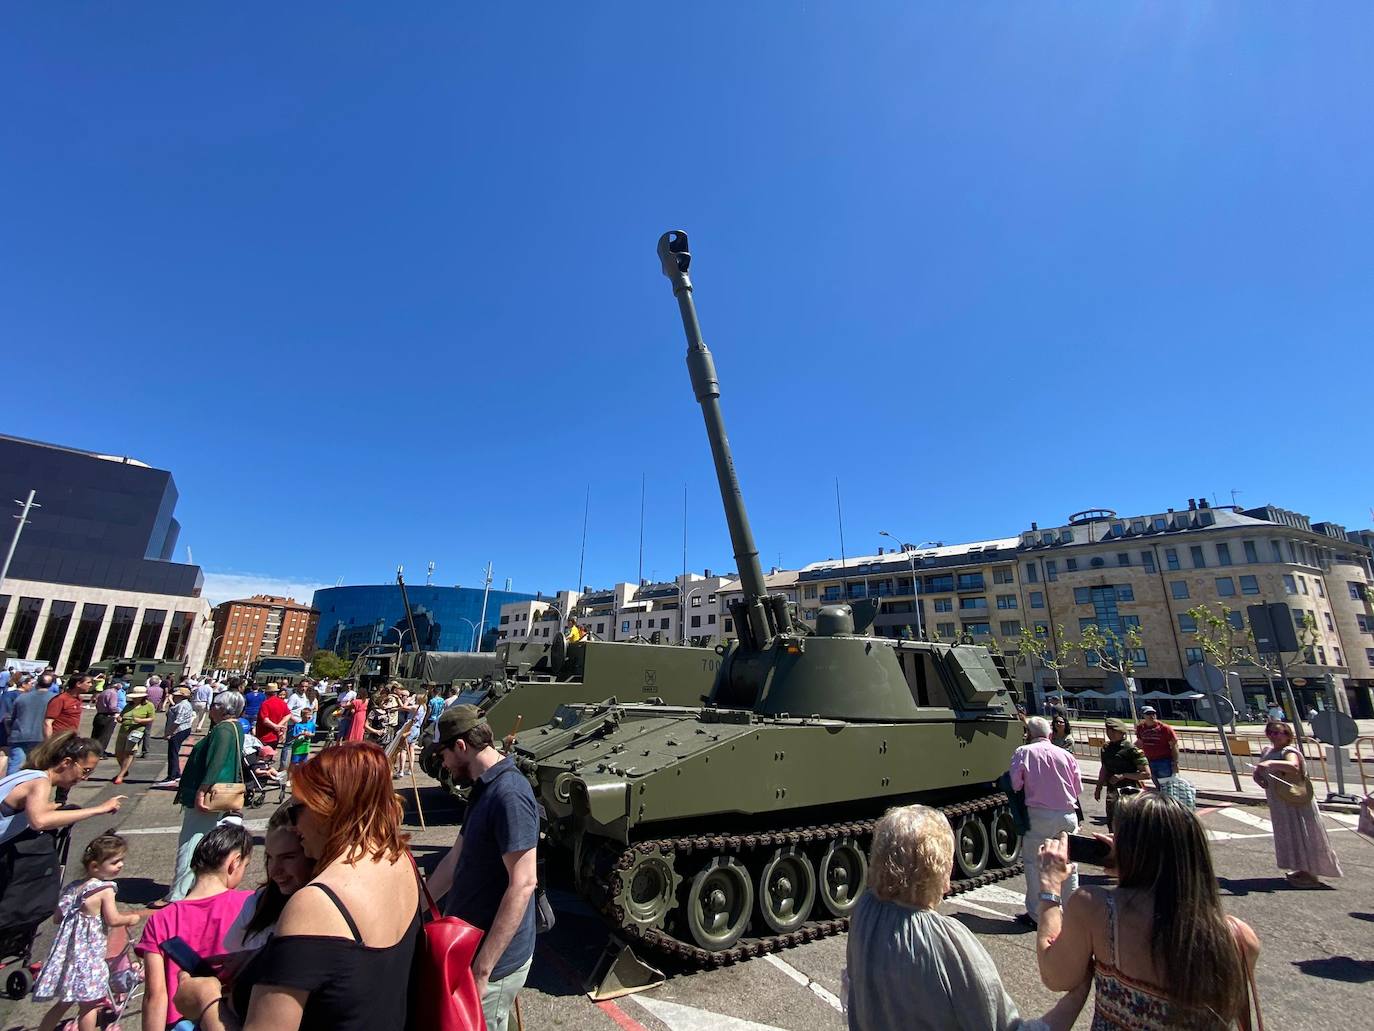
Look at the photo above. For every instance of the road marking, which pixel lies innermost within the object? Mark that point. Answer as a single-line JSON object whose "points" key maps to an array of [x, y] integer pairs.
{"points": [[1350, 819], [252, 825], [827, 996], [960, 900], [996, 893], [1231, 836], [1246, 817], [688, 1018]]}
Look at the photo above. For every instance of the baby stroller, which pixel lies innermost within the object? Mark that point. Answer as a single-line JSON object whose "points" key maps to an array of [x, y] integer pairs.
{"points": [[31, 869], [126, 974], [259, 774]]}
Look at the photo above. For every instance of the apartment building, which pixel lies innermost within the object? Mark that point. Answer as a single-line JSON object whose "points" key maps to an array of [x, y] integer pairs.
{"points": [[261, 625]]}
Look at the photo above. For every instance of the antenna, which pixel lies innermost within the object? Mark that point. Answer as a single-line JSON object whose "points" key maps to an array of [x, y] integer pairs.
{"points": [[429, 576], [582, 558], [839, 516], [189, 560], [1236, 493], [642, 481]]}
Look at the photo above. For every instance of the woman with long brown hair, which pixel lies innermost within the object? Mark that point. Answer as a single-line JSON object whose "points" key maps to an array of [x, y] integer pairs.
{"points": [[1301, 846], [345, 943], [1161, 952]]}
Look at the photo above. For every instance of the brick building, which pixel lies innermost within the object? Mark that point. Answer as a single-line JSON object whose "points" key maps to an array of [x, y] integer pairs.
{"points": [[261, 625]]}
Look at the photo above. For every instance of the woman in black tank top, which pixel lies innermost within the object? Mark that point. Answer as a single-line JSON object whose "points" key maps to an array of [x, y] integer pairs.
{"points": [[314, 975]]}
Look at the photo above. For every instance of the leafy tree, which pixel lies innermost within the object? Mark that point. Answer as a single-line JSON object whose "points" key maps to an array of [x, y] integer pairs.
{"points": [[327, 664], [1106, 649], [1054, 652]]}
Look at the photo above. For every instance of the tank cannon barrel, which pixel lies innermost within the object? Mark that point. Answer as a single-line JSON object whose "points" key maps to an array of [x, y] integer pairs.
{"points": [[760, 616]]}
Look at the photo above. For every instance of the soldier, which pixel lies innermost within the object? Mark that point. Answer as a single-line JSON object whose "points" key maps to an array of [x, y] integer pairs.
{"points": [[1124, 768]]}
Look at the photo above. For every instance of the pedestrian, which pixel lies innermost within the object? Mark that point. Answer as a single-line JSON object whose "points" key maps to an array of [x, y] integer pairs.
{"points": [[490, 875], [1276, 712], [302, 734], [201, 919], [288, 870], [298, 698], [357, 725], [177, 729], [1163, 953], [909, 966], [344, 709], [1123, 770], [64, 708], [215, 761], [135, 724], [274, 719], [1061, 733], [253, 697], [156, 692], [1159, 743], [28, 714], [414, 727], [75, 971], [202, 695], [26, 795], [351, 931], [106, 716], [1051, 780], [1301, 846]]}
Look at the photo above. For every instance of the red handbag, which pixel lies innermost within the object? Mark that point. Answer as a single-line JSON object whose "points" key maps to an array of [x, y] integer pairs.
{"points": [[444, 996]]}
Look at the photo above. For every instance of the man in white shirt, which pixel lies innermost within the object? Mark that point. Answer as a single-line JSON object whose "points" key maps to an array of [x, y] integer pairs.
{"points": [[201, 696]]}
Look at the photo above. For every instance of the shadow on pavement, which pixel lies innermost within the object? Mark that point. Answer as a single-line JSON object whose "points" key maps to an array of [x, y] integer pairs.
{"points": [[1369, 917], [139, 891], [1261, 885], [986, 925], [1339, 968]]}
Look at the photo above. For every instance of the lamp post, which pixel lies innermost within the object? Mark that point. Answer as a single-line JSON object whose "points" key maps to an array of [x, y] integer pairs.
{"points": [[682, 616], [464, 619], [910, 553]]}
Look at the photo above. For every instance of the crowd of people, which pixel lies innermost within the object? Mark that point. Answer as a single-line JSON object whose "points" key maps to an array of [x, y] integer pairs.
{"points": [[341, 906]]}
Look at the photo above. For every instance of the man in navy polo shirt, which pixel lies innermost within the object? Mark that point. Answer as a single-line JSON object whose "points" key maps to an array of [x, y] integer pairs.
{"points": [[490, 874]]}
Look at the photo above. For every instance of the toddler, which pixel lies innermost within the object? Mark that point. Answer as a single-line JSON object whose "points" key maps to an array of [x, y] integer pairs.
{"points": [[302, 733], [76, 971]]}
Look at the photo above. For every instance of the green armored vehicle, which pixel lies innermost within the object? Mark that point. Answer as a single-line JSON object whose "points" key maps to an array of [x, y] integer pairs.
{"points": [[730, 830]]}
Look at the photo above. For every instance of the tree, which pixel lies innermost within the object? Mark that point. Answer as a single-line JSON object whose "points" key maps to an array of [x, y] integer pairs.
{"points": [[327, 664], [1036, 644], [1113, 652]]}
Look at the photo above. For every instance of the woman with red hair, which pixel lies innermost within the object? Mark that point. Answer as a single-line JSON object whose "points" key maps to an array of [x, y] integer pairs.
{"points": [[343, 952]]}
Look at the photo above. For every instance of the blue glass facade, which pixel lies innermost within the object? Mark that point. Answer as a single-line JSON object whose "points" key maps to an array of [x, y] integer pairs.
{"points": [[446, 618]]}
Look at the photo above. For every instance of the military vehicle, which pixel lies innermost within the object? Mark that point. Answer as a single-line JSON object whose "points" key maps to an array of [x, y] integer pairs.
{"points": [[286, 670], [732, 829]]}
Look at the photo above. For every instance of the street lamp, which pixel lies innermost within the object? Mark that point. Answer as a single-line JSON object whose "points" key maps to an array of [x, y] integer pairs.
{"points": [[682, 616], [915, 581]]}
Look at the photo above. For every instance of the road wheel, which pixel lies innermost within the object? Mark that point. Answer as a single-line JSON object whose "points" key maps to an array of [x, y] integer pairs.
{"points": [[843, 874], [719, 903], [971, 847], [787, 890], [1006, 843]]}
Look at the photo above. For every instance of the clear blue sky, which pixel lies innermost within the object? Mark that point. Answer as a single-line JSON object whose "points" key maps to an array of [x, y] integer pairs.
{"points": [[378, 283]]}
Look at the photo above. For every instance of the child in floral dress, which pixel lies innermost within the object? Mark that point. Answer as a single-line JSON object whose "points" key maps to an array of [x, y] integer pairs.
{"points": [[76, 971]]}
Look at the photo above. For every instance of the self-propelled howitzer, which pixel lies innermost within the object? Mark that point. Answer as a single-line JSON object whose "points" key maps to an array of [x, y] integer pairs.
{"points": [[743, 826]]}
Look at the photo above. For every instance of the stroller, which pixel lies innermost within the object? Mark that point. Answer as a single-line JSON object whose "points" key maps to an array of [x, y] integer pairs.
{"points": [[259, 775], [31, 869]]}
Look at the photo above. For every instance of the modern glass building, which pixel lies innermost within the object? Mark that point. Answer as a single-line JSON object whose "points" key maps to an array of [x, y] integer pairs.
{"points": [[447, 619]]}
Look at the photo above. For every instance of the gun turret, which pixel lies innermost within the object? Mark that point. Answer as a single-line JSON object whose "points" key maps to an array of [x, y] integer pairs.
{"points": [[760, 618]]}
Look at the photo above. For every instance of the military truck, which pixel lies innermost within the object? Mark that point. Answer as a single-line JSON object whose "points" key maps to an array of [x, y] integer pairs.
{"points": [[286, 670], [726, 830], [139, 670]]}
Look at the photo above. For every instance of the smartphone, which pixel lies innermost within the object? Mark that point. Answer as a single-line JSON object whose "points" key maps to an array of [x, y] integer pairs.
{"points": [[187, 958], [1092, 851]]}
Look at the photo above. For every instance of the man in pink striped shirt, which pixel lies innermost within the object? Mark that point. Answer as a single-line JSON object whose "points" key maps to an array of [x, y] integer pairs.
{"points": [[1049, 776]]}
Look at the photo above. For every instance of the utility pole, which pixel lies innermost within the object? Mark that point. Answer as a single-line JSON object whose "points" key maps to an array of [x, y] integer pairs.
{"points": [[482, 624], [29, 505]]}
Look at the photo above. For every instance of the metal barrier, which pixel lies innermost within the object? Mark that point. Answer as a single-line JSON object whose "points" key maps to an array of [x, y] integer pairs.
{"points": [[1361, 758]]}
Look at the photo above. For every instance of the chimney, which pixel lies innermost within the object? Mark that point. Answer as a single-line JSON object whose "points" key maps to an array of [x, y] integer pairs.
{"points": [[1192, 504], [1171, 511], [706, 573], [1202, 503], [880, 549], [1034, 525]]}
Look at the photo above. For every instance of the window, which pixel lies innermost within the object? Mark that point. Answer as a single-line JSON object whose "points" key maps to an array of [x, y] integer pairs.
{"points": [[1003, 575], [944, 604], [1082, 596], [1337, 652], [1186, 623], [967, 604], [1179, 589], [1032, 577], [1302, 584], [1130, 622], [1042, 629], [1123, 558], [1224, 554], [1321, 591], [55, 631], [696, 601], [1193, 655], [1071, 565], [711, 598], [1196, 553], [1051, 570], [938, 584], [83, 645], [1321, 655], [1369, 655], [149, 632], [25, 620], [1147, 559], [1125, 592], [1006, 601], [601, 628], [1011, 628], [1276, 551], [663, 623], [696, 622], [1251, 553], [1289, 584], [1236, 620], [710, 619], [978, 629], [809, 591], [1249, 585], [970, 581], [1226, 587], [1037, 599], [1138, 657], [1171, 558], [729, 624], [945, 630], [1161, 523], [1363, 622], [638, 623], [1356, 591]]}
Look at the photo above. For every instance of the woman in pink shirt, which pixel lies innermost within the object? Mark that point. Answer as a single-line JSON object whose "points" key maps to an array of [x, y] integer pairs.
{"points": [[200, 919]]}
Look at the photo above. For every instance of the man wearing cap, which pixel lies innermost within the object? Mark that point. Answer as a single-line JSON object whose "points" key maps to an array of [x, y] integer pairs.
{"points": [[273, 717], [180, 717], [490, 874], [1159, 743], [1124, 768]]}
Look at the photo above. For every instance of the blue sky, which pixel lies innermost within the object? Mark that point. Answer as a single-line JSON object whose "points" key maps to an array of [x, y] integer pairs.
{"points": [[380, 287]]}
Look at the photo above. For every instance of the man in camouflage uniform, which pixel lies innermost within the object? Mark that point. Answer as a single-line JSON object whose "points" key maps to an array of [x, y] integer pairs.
{"points": [[1124, 768]]}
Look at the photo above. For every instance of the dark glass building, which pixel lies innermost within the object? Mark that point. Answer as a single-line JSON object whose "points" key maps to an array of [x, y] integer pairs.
{"points": [[446, 618]]}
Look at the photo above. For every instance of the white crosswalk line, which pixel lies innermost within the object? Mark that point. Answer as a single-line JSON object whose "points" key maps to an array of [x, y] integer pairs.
{"points": [[1233, 836], [821, 992], [1349, 819], [995, 893], [1246, 817], [689, 1018]]}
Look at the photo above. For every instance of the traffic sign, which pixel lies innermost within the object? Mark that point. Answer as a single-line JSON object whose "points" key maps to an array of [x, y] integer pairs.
{"points": [[1334, 727]]}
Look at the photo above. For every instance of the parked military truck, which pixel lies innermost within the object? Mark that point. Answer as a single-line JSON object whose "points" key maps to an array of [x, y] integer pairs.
{"points": [[731, 829]]}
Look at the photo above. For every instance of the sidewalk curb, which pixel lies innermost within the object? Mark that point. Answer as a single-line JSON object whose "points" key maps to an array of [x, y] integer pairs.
{"points": [[1240, 798]]}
